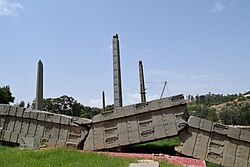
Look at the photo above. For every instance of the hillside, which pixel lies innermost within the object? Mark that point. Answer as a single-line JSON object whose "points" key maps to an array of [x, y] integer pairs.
{"points": [[227, 109]]}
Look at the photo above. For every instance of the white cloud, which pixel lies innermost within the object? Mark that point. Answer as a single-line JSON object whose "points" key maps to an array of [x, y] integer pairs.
{"points": [[219, 7], [8, 8]]}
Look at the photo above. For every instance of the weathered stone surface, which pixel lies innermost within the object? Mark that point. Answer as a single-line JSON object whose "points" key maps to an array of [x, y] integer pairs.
{"points": [[25, 126], [245, 135], [80, 121], [14, 137], [201, 145], [128, 110], [6, 135], [141, 107], [30, 143], [229, 153], [242, 154], [56, 118], [4, 109], [194, 122], [203, 139], [63, 134], [153, 105], [42, 116], [220, 128], [49, 117], [39, 87], [18, 124], [33, 114], [26, 113], [66, 120], [137, 123], [223, 145], [10, 124], [233, 133], [32, 128], [206, 125], [19, 112], [117, 72], [164, 102], [145, 163], [13, 111], [40, 129]]}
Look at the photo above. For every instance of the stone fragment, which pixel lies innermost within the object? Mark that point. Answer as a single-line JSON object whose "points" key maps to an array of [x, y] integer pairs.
{"points": [[194, 122], [234, 133], [19, 112], [13, 111], [206, 125], [145, 163], [220, 128]]}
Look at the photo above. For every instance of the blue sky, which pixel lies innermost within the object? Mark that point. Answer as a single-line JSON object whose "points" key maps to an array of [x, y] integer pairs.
{"points": [[196, 46]]}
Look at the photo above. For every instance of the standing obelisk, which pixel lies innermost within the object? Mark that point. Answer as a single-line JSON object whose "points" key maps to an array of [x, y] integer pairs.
{"points": [[39, 87], [142, 85], [117, 73], [103, 101]]}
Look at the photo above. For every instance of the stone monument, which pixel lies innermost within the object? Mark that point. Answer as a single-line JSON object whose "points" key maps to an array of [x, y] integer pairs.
{"points": [[39, 87], [117, 73], [142, 85]]}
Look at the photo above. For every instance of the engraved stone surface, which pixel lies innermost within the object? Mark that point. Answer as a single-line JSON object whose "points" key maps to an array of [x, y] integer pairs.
{"points": [[117, 72], [223, 145]]}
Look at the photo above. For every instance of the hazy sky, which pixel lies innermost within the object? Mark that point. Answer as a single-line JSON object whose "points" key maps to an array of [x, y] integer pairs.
{"points": [[197, 46]]}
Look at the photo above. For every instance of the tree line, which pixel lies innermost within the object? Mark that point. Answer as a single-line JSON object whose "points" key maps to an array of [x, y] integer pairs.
{"points": [[236, 108], [236, 112]]}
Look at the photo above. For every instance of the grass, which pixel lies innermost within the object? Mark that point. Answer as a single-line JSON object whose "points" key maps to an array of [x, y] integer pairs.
{"points": [[209, 164], [61, 157], [162, 146], [171, 142], [165, 146]]}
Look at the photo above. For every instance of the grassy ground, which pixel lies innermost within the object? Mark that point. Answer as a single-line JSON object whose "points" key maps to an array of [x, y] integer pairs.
{"points": [[61, 157], [171, 142], [165, 146]]}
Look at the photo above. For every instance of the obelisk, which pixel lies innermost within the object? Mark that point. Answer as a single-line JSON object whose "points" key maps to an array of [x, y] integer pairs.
{"points": [[39, 87], [142, 85], [117, 73], [103, 101]]}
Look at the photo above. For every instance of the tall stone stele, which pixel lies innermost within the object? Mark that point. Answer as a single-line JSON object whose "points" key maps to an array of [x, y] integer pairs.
{"points": [[142, 84], [117, 73], [39, 87]]}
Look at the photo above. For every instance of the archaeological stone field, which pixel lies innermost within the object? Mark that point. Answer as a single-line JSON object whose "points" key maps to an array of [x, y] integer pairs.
{"points": [[125, 125]]}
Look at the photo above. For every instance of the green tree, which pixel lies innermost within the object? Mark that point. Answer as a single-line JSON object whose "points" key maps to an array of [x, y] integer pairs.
{"points": [[28, 105], [203, 111], [21, 104], [109, 107], [236, 114], [6, 95], [69, 106]]}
